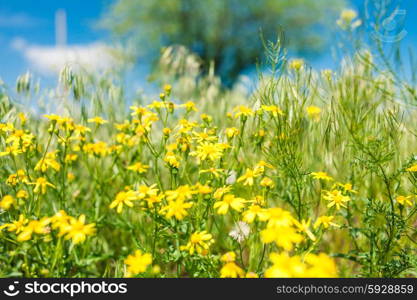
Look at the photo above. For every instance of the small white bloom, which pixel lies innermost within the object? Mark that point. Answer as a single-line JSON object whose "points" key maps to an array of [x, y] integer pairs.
{"points": [[240, 231], [232, 177]]}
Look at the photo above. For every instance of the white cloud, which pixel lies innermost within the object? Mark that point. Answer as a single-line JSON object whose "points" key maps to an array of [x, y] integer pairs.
{"points": [[49, 60]]}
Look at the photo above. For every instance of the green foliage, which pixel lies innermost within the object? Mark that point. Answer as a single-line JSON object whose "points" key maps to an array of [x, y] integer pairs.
{"points": [[226, 32]]}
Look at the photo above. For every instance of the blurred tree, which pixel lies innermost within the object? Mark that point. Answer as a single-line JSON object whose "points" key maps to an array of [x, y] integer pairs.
{"points": [[223, 31]]}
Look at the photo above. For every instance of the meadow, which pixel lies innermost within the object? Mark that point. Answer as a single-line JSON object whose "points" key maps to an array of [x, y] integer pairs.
{"points": [[307, 173]]}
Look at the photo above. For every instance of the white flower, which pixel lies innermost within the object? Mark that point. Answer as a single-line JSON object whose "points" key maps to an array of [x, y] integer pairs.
{"points": [[232, 177], [240, 231]]}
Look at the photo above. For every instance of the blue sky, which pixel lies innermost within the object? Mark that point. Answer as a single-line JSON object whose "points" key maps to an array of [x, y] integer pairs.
{"points": [[33, 21]]}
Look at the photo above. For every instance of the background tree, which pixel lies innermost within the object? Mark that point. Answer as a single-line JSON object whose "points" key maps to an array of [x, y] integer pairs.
{"points": [[223, 31]]}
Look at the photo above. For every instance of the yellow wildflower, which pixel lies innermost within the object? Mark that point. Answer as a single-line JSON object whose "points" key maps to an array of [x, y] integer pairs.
{"points": [[41, 184], [177, 208], [321, 175], [326, 221], [123, 198], [97, 120], [206, 150], [336, 198], [138, 167], [138, 262], [78, 231], [404, 200], [200, 242], [7, 202]]}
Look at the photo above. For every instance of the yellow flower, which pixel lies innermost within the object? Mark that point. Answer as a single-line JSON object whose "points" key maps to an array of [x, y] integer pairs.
{"points": [[166, 131], [327, 73], [228, 201], [81, 130], [304, 226], [48, 162], [347, 187], [249, 176], [138, 167], [157, 105], [77, 230], [231, 132], [6, 127], [40, 185], [278, 217], [22, 117], [53, 118], [123, 198], [167, 88], [183, 192], [69, 158], [13, 150], [97, 120], [206, 150], [138, 262], [260, 166], [17, 226], [284, 236], [326, 221], [7, 202], [336, 198], [228, 257], [35, 226], [285, 266], [61, 221], [243, 111], [348, 15], [346, 20], [413, 168], [145, 190], [20, 142], [70, 176], [139, 111], [205, 136], [320, 266], [404, 200], [214, 171], [313, 112], [220, 192], [153, 199], [206, 118], [267, 182], [98, 149], [172, 160], [177, 208], [22, 194], [184, 126], [202, 189], [259, 200], [231, 270], [273, 109], [156, 269], [190, 106], [321, 175], [296, 64], [253, 212], [200, 242]]}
